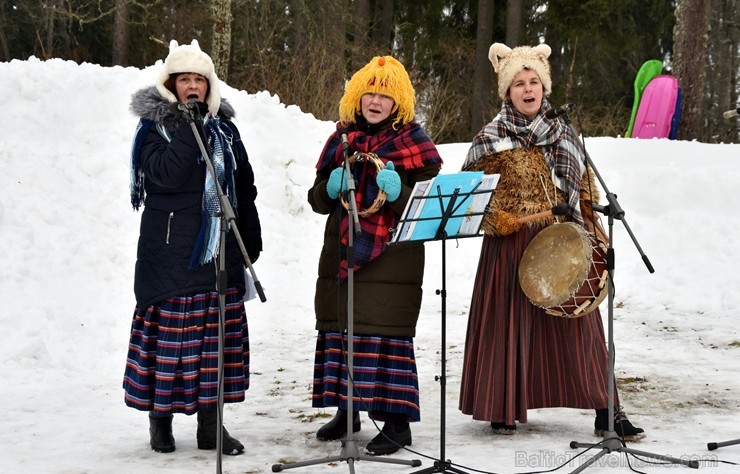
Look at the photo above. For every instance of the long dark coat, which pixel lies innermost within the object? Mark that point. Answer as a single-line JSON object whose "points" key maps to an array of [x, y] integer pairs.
{"points": [[171, 220], [388, 290]]}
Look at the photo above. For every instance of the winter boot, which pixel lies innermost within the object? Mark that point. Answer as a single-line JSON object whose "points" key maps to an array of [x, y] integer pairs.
{"points": [[502, 428], [206, 435], [395, 434], [622, 426], [336, 428], [160, 433]]}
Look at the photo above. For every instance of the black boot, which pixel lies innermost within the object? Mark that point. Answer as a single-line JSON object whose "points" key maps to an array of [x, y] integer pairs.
{"points": [[395, 434], [206, 435], [622, 426], [336, 428], [502, 428], [160, 433]]}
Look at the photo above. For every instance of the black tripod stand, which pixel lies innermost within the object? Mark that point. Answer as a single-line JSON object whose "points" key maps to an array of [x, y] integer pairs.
{"points": [[350, 452], [226, 217], [611, 441], [713, 446], [447, 211]]}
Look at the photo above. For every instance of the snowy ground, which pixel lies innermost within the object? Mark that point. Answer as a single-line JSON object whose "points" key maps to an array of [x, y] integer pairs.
{"points": [[68, 248]]}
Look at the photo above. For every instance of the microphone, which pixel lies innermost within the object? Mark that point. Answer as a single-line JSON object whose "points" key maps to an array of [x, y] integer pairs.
{"points": [[343, 137], [731, 113], [562, 110], [191, 111]]}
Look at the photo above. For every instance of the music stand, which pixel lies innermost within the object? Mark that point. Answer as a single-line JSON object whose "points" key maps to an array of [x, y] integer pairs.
{"points": [[611, 441], [226, 216], [349, 452], [434, 213]]}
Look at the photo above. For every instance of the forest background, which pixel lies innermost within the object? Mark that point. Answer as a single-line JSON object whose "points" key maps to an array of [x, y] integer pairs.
{"points": [[304, 50]]}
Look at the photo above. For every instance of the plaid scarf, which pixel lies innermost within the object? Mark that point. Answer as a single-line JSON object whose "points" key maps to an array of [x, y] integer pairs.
{"points": [[218, 140], [408, 147], [511, 129]]}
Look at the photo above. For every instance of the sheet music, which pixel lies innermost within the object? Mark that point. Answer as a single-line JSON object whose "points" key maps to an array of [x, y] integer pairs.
{"points": [[423, 214], [476, 211]]}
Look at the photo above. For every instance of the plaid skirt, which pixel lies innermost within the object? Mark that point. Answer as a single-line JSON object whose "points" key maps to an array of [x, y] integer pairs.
{"points": [[172, 362], [385, 377]]}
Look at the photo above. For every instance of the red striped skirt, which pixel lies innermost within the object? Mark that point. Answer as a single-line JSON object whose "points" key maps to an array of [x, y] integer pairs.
{"points": [[518, 357], [172, 363], [385, 376]]}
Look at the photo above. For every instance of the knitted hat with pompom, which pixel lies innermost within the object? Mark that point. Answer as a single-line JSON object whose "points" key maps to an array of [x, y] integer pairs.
{"points": [[382, 75]]}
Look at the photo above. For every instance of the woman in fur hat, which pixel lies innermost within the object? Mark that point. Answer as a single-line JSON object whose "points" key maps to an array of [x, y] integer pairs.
{"points": [[173, 350], [518, 357], [377, 113]]}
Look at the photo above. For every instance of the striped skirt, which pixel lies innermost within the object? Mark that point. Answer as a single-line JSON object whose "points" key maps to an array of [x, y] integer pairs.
{"points": [[385, 377], [172, 362], [518, 357]]}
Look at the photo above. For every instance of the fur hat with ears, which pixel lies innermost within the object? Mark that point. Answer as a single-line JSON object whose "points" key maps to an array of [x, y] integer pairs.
{"points": [[509, 62], [190, 58], [382, 75]]}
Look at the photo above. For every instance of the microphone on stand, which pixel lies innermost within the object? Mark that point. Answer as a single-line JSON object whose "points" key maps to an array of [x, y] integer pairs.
{"points": [[557, 112], [731, 113], [343, 137]]}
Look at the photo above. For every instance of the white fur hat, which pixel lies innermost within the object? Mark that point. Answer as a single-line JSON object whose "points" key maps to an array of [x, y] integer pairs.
{"points": [[190, 58], [509, 62]]}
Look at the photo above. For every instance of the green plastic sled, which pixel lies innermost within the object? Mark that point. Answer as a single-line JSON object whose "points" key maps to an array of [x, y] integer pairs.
{"points": [[649, 69]]}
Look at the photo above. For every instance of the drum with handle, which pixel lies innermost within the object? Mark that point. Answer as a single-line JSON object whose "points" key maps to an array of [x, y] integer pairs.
{"points": [[381, 197], [564, 271]]}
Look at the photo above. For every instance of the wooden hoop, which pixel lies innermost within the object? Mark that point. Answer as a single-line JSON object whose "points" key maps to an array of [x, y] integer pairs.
{"points": [[379, 165]]}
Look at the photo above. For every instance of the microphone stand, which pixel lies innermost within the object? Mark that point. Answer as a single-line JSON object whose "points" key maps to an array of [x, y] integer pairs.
{"points": [[226, 216], [349, 453], [612, 442]]}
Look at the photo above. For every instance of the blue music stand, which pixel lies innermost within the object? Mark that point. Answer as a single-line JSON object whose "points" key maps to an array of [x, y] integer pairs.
{"points": [[449, 206]]}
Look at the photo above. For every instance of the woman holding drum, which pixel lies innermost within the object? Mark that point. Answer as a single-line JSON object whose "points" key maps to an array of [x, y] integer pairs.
{"points": [[520, 355], [389, 152]]}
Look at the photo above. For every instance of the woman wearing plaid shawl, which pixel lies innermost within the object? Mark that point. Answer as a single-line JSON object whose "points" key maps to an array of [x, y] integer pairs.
{"points": [[516, 356], [377, 112]]}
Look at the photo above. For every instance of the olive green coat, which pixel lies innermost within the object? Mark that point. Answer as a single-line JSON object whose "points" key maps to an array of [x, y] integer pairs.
{"points": [[388, 290]]}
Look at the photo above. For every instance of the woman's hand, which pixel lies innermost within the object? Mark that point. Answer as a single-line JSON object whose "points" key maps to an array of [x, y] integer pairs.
{"points": [[389, 181]]}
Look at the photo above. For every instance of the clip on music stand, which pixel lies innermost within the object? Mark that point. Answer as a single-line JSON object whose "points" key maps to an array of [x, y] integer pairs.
{"points": [[437, 213]]}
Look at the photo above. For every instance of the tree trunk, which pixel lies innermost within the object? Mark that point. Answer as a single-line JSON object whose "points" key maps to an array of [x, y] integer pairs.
{"points": [[724, 32], [221, 43], [514, 22], [382, 30], [361, 34], [690, 63], [482, 77], [120, 34]]}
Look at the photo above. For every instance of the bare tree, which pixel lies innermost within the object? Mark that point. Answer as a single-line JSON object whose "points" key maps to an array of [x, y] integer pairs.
{"points": [[120, 34], [480, 103], [722, 84], [514, 22], [221, 41], [690, 63], [382, 29]]}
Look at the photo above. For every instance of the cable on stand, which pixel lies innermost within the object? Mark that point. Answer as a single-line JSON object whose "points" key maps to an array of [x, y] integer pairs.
{"points": [[226, 216]]}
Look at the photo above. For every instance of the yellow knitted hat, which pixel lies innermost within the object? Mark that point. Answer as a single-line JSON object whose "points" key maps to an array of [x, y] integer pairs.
{"points": [[382, 75]]}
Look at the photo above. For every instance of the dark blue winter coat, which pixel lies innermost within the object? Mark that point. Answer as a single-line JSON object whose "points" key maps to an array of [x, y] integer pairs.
{"points": [[171, 219]]}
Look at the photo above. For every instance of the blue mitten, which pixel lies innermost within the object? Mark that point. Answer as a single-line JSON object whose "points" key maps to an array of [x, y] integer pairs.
{"points": [[389, 181], [337, 183]]}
